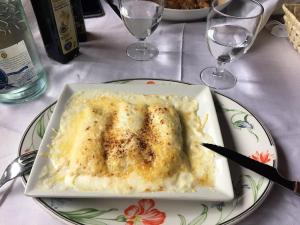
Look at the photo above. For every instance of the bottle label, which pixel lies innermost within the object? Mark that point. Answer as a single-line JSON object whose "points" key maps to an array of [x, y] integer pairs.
{"points": [[16, 68], [65, 25]]}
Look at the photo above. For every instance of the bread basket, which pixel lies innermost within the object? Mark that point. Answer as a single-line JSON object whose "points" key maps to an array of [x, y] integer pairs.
{"points": [[292, 23]]}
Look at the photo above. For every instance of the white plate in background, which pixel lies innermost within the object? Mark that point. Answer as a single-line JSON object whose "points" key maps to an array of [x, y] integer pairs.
{"points": [[185, 14]]}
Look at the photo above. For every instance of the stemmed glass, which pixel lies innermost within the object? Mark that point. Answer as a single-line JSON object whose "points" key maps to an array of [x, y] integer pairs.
{"points": [[232, 26], [141, 17]]}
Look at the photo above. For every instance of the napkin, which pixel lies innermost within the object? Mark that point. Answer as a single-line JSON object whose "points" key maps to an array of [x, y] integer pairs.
{"points": [[269, 7], [8, 152], [6, 188]]}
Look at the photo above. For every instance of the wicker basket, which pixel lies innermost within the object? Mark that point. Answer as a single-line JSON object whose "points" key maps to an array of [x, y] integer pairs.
{"points": [[292, 23]]}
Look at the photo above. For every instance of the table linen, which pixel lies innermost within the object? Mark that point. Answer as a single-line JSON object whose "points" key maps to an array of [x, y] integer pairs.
{"points": [[268, 85]]}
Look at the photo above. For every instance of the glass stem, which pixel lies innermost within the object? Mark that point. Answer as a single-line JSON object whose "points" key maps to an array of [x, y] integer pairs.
{"points": [[143, 46], [220, 69]]}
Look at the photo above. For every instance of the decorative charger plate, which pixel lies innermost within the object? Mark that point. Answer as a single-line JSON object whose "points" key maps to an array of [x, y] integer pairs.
{"points": [[241, 131]]}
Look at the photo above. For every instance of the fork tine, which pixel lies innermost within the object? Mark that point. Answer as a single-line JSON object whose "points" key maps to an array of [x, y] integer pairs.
{"points": [[28, 161], [27, 155], [28, 168]]}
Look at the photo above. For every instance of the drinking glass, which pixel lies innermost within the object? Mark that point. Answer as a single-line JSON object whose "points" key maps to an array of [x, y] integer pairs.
{"points": [[231, 29], [141, 18]]}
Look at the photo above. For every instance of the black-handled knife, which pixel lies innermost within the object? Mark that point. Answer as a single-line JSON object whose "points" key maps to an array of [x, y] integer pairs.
{"points": [[265, 170]]}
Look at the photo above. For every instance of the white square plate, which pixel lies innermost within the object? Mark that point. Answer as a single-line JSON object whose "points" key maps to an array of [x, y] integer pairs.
{"points": [[222, 191]]}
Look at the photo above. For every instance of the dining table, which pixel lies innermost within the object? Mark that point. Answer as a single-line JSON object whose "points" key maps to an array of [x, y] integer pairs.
{"points": [[268, 84]]}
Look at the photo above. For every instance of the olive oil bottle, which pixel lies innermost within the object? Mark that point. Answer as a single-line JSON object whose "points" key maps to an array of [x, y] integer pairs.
{"points": [[57, 27], [22, 77], [79, 20]]}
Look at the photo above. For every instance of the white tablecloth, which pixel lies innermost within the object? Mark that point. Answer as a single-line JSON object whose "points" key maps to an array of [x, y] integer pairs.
{"points": [[268, 85]]}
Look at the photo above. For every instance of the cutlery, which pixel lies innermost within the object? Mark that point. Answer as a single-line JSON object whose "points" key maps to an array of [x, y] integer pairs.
{"points": [[18, 167], [264, 170]]}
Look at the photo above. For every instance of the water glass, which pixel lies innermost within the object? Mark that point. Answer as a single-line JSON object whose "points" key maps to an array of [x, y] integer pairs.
{"points": [[141, 18], [232, 26]]}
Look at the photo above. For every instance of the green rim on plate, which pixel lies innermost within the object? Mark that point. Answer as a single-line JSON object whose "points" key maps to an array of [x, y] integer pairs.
{"points": [[241, 130]]}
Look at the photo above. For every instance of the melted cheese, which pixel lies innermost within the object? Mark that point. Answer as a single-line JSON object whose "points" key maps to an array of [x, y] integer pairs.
{"points": [[130, 143]]}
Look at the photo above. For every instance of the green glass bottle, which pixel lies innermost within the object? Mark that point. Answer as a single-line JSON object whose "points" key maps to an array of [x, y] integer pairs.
{"points": [[22, 76]]}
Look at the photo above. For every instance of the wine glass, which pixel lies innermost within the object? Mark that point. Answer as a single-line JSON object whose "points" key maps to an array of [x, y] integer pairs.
{"points": [[141, 17], [231, 29]]}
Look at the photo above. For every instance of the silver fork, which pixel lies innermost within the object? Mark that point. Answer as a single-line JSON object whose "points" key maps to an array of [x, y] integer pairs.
{"points": [[18, 167]]}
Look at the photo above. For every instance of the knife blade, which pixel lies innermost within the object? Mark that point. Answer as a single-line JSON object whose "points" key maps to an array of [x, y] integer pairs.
{"points": [[262, 169]]}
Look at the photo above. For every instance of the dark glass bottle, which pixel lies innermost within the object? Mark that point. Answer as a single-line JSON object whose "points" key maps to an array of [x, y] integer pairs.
{"points": [[92, 8], [79, 20], [57, 27]]}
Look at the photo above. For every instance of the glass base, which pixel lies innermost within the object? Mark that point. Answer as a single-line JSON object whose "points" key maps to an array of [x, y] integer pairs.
{"points": [[224, 81], [142, 51], [27, 93]]}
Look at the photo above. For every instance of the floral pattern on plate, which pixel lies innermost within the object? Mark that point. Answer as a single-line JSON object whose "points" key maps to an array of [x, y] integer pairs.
{"points": [[238, 126]]}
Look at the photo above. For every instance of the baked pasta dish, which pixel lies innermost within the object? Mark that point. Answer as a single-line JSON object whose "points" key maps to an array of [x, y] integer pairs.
{"points": [[129, 143], [187, 4]]}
